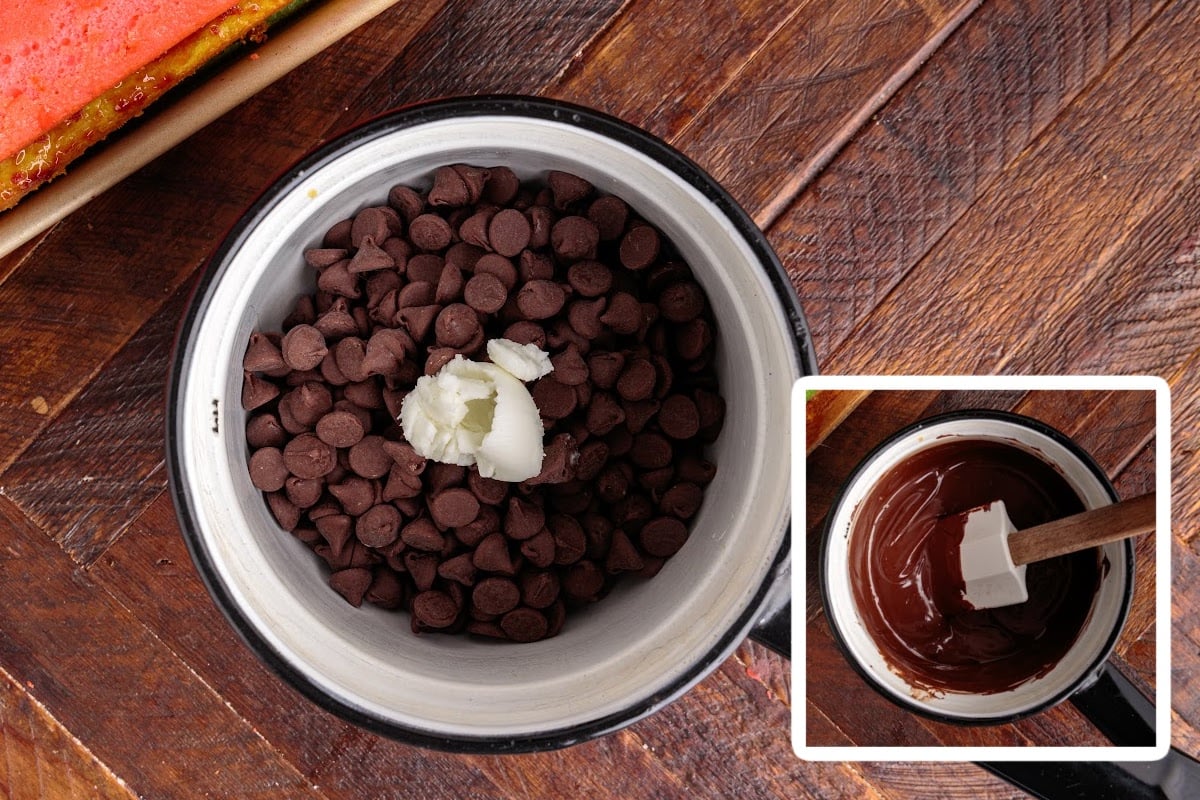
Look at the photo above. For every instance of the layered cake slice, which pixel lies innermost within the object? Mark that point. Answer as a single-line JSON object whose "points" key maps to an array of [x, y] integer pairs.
{"points": [[75, 71]]}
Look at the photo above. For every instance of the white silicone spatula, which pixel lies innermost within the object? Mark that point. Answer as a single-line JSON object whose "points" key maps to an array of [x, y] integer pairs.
{"points": [[993, 554]]}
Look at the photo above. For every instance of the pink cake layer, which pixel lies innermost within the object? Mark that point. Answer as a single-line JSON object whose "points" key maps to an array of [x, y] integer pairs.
{"points": [[57, 55]]}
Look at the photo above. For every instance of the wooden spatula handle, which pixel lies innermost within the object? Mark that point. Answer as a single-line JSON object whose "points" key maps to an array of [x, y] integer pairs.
{"points": [[1081, 531]]}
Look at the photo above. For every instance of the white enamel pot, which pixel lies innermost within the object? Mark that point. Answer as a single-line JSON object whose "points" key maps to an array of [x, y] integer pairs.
{"points": [[641, 646]]}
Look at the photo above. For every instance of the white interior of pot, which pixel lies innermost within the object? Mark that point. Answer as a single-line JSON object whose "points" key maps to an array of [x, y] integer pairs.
{"points": [[1107, 608], [636, 641]]}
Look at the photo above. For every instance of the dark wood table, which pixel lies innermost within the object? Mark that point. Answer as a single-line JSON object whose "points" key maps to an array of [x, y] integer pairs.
{"points": [[954, 186]]}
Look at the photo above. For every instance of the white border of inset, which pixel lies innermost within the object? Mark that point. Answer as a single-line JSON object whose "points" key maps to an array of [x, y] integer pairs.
{"points": [[1162, 559]]}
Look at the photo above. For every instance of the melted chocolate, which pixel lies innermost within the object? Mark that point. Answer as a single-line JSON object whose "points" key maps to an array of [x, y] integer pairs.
{"points": [[909, 590]]}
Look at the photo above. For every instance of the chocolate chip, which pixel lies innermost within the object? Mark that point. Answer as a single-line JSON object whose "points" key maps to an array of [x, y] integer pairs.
{"points": [[379, 526], [485, 293], [554, 400], [622, 555], [267, 470], [499, 266], [583, 581], [371, 224], [639, 247], [567, 188], [264, 430], [457, 185], [426, 268], [650, 451], [663, 536], [406, 201], [681, 301], [523, 518], [453, 507], [306, 456], [256, 391], [637, 380], [491, 555], [524, 625], [352, 584], [539, 589], [679, 417], [422, 534], [449, 285], [624, 313], [682, 500], [435, 609], [693, 338], [574, 238], [386, 590], [501, 185], [509, 232], [340, 429], [540, 299], [610, 213], [570, 544], [456, 325], [355, 494], [459, 569], [538, 549], [430, 232], [495, 595], [603, 414], [370, 257], [303, 347], [368, 457]]}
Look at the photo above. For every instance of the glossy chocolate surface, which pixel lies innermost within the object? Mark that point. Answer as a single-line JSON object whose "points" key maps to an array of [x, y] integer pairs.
{"points": [[908, 589]]}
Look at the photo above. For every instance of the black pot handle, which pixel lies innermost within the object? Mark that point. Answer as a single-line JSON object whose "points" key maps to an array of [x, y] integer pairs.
{"points": [[775, 630], [1118, 709]]}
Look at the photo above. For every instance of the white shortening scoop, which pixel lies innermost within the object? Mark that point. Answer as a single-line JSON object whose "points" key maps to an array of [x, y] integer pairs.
{"points": [[993, 554]]}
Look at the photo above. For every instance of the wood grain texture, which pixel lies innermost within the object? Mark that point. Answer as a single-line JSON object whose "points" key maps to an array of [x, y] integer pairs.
{"points": [[117, 687], [1033, 216], [929, 154], [67, 480], [40, 759]]}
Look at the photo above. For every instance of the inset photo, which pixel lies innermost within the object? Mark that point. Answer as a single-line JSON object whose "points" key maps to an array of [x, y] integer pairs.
{"points": [[984, 567]]}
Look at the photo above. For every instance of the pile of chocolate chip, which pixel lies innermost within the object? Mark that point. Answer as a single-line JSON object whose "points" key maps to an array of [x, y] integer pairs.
{"points": [[628, 410]]}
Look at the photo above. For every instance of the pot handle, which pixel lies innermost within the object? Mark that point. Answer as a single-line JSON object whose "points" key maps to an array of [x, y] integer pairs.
{"points": [[1117, 708], [774, 630], [774, 625]]}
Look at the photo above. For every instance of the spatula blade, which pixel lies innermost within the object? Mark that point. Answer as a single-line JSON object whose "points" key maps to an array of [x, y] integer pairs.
{"points": [[990, 579]]}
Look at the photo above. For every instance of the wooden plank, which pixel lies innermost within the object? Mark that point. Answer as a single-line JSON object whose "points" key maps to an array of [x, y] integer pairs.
{"points": [[623, 71], [756, 101], [899, 187], [487, 46], [141, 710], [39, 758], [67, 481], [993, 245], [740, 724], [1185, 432], [814, 83], [1185, 642]]}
